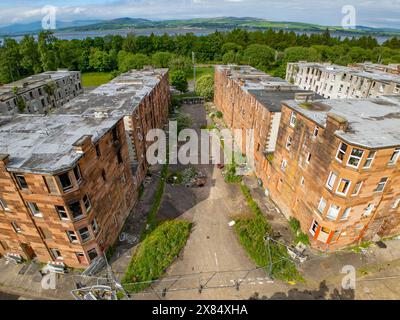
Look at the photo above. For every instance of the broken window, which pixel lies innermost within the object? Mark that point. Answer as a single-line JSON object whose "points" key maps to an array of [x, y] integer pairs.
{"points": [[21, 181], [314, 227], [77, 173], [86, 202], [62, 213], [394, 157], [85, 234], [72, 236], [50, 183], [65, 181], [76, 210], [92, 254], [16, 227], [33, 207], [289, 142]]}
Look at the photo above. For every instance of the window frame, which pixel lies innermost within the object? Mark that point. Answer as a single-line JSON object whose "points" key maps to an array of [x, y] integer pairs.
{"points": [[322, 200], [394, 157], [284, 167], [87, 209], [340, 151], [20, 185], [77, 218], [16, 227], [345, 215], [380, 183], [370, 207], [351, 156], [329, 178], [369, 158], [312, 231], [293, 119], [360, 184], [62, 210], [70, 187], [289, 143], [34, 209], [71, 234], [89, 236], [330, 210], [347, 188]]}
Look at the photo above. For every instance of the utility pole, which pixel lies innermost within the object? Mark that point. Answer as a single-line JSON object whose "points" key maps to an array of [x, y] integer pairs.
{"points": [[194, 68]]}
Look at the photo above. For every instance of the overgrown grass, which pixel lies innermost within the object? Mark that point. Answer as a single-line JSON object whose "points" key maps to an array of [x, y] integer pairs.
{"points": [[251, 233], [358, 248], [229, 174], [95, 79], [300, 236], [151, 218], [155, 254]]}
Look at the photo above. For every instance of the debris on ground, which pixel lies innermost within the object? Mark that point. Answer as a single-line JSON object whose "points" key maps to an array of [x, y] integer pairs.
{"points": [[188, 177]]}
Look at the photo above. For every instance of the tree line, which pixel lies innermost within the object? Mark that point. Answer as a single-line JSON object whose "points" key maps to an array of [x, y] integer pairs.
{"points": [[267, 50]]}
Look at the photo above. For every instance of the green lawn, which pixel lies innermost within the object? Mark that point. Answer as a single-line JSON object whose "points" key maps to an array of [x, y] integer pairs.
{"points": [[95, 79], [155, 254]]}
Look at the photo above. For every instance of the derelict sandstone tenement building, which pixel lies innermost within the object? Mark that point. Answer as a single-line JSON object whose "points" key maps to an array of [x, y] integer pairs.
{"points": [[336, 169], [69, 179], [40, 93], [339, 82], [340, 197], [249, 98]]}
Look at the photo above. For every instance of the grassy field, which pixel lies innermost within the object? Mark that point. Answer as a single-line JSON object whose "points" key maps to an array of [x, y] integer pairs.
{"points": [[95, 79], [155, 254]]}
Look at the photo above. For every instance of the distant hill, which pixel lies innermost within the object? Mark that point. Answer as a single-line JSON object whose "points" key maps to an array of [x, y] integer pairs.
{"points": [[206, 23], [34, 27], [226, 23]]}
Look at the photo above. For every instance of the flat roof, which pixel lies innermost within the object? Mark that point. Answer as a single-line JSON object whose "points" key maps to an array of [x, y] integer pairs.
{"points": [[44, 144], [119, 97], [268, 90], [34, 81], [272, 99], [372, 123], [333, 68]]}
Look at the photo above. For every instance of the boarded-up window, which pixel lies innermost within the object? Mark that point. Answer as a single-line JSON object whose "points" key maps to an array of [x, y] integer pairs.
{"points": [[51, 184]]}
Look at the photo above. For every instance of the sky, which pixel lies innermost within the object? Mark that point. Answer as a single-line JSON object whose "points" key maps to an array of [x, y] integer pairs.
{"points": [[377, 13]]}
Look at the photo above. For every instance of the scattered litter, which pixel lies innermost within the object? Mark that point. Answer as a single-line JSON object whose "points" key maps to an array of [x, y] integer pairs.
{"points": [[232, 223]]}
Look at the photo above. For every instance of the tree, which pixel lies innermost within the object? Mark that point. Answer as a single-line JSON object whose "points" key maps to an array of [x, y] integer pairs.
{"points": [[128, 61], [10, 61], [259, 56], [179, 80], [294, 54], [205, 86], [47, 51], [161, 59], [100, 61], [129, 44], [181, 63], [29, 51]]}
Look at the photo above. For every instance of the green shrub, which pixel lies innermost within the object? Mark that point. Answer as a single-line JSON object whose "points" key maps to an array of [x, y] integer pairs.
{"points": [[155, 254], [219, 114]]}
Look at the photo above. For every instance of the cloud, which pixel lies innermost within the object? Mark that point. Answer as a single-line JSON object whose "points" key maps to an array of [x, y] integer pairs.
{"points": [[313, 11]]}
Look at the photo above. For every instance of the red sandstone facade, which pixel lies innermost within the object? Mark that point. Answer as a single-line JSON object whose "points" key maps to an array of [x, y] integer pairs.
{"points": [[336, 203], [73, 216]]}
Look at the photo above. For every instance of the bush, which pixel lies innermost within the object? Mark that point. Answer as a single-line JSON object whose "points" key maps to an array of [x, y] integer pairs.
{"points": [[155, 254], [219, 114], [205, 86], [179, 81], [296, 229]]}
